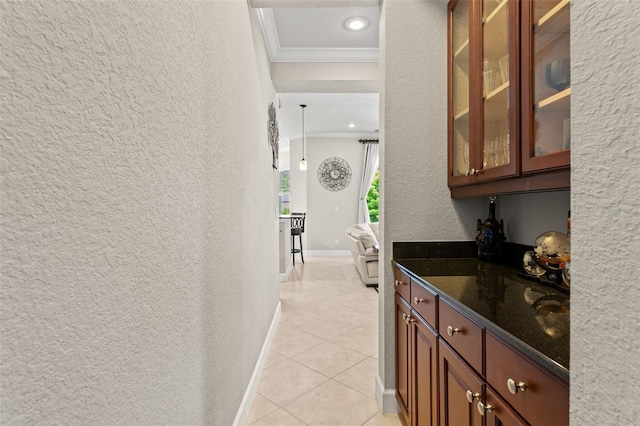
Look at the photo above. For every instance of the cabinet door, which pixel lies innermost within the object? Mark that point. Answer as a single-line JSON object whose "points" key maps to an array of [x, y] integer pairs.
{"points": [[497, 65], [546, 82], [459, 63], [424, 376], [457, 381], [403, 357], [498, 412]]}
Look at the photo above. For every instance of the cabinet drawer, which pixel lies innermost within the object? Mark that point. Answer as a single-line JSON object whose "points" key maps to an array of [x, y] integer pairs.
{"points": [[402, 283], [545, 398], [424, 302], [464, 335]]}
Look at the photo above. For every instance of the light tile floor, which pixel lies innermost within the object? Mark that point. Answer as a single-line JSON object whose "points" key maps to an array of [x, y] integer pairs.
{"points": [[323, 361]]}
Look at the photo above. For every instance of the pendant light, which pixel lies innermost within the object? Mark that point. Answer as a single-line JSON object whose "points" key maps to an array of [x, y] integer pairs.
{"points": [[303, 162]]}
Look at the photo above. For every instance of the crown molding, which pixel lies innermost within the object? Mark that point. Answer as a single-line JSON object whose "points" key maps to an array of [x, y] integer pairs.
{"points": [[290, 54]]}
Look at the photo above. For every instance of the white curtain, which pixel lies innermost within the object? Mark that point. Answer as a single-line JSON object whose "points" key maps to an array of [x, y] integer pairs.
{"points": [[370, 165]]}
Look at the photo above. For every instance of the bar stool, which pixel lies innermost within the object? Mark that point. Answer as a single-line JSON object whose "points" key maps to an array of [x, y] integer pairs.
{"points": [[297, 228]]}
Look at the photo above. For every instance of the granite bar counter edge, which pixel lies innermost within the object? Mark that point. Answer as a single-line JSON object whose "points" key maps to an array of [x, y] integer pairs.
{"points": [[410, 258]]}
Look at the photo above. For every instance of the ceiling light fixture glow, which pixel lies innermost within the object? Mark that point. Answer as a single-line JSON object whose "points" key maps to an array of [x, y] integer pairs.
{"points": [[356, 23], [352, 125]]}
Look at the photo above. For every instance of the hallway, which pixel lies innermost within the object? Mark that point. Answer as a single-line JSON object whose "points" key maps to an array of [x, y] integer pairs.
{"points": [[323, 362]]}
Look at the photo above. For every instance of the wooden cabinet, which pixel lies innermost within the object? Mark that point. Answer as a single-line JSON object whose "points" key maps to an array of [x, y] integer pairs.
{"points": [[546, 85], [505, 123], [452, 371], [460, 389], [499, 413], [462, 334], [537, 395], [403, 358], [416, 366]]}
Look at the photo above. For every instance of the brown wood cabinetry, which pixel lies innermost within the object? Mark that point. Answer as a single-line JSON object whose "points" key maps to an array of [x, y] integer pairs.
{"points": [[462, 334], [460, 389], [416, 365], [537, 395], [499, 413], [509, 96], [452, 371]]}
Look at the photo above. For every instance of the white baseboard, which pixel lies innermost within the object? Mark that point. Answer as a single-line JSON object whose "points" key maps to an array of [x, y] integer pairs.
{"points": [[252, 388], [326, 253], [386, 398], [285, 277]]}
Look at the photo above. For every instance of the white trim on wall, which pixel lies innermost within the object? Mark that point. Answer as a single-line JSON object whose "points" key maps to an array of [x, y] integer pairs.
{"points": [[252, 388], [285, 276], [325, 253], [386, 398]]}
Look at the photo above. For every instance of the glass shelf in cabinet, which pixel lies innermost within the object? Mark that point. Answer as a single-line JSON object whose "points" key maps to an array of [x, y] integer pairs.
{"points": [[552, 25], [462, 115], [497, 91], [502, 5], [556, 17], [462, 53], [496, 106], [559, 101]]}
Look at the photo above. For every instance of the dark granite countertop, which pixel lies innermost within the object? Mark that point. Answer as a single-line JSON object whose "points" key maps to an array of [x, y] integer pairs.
{"points": [[528, 315]]}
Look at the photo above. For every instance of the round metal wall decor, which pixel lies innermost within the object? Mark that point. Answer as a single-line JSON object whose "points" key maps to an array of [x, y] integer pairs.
{"points": [[334, 174]]}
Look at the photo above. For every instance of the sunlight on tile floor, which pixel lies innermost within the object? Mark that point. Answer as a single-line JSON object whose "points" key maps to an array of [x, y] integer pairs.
{"points": [[324, 358]]}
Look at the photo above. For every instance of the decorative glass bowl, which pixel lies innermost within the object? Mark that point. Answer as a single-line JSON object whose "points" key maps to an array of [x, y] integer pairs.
{"points": [[552, 249], [530, 265]]}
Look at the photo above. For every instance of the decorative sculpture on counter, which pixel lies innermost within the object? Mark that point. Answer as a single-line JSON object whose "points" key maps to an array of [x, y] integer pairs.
{"points": [[552, 250], [490, 235], [550, 259]]}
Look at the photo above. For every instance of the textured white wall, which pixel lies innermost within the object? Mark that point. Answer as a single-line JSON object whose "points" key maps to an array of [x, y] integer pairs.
{"points": [[139, 240], [605, 324], [416, 204], [325, 225]]}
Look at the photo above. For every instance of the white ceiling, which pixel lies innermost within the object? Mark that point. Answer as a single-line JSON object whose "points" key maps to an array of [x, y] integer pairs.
{"points": [[329, 115], [317, 35], [324, 27]]}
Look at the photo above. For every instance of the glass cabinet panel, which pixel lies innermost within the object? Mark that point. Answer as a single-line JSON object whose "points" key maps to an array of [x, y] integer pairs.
{"points": [[495, 83], [548, 136], [460, 20]]}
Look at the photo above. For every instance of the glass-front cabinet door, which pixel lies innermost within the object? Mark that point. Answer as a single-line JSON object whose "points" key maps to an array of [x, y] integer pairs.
{"points": [[483, 83], [459, 85], [546, 133], [499, 53]]}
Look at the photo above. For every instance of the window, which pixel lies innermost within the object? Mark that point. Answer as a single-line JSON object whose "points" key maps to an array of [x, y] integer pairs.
{"points": [[284, 196], [372, 198]]}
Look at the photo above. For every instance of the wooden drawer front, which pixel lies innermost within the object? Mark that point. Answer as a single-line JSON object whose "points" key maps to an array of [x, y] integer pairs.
{"points": [[466, 336], [425, 303], [402, 283], [545, 400]]}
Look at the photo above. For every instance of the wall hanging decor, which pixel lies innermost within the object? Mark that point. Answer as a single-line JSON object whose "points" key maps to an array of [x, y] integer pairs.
{"points": [[334, 174], [274, 135]]}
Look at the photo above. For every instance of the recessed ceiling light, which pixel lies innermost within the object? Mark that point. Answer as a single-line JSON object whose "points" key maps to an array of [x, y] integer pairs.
{"points": [[352, 125], [356, 23]]}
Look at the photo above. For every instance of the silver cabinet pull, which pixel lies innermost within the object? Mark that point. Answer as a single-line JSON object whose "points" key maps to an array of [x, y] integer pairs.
{"points": [[399, 283], [483, 409], [514, 386], [472, 396], [418, 300], [451, 331]]}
